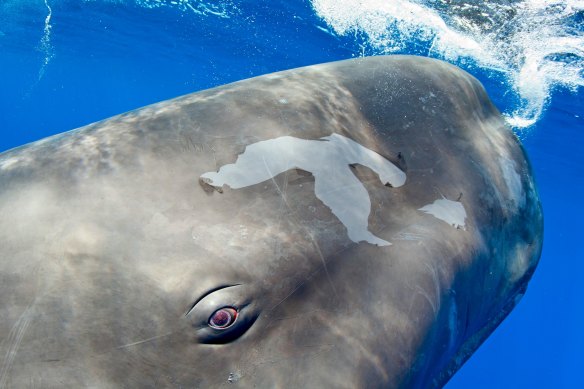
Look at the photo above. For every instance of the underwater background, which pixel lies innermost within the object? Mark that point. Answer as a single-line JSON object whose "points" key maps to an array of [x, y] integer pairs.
{"points": [[68, 63]]}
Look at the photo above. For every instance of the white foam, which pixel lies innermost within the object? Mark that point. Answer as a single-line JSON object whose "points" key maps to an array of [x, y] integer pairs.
{"points": [[380, 19], [534, 43]]}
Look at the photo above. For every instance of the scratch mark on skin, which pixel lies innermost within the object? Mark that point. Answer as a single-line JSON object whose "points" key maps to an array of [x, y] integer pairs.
{"points": [[283, 204], [300, 284], [417, 289], [319, 252], [314, 242], [421, 291], [144, 341], [302, 315], [282, 192], [305, 281], [436, 280], [14, 339], [291, 293], [310, 351]]}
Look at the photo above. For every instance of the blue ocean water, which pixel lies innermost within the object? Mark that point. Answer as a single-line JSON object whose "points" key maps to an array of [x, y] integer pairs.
{"points": [[67, 63]]}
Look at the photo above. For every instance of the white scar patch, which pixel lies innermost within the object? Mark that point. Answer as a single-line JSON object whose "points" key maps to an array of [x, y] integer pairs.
{"points": [[329, 160], [451, 212]]}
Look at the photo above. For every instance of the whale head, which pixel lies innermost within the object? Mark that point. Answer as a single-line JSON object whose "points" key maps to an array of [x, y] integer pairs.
{"points": [[364, 223]]}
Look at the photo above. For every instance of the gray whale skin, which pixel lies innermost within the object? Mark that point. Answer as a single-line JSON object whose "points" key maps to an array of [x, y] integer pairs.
{"points": [[363, 223]]}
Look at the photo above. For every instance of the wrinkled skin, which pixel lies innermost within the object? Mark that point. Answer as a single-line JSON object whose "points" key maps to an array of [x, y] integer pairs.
{"points": [[114, 255]]}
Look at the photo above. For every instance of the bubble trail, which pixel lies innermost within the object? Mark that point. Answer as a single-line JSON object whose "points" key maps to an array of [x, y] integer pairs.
{"points": [[45, 45]]}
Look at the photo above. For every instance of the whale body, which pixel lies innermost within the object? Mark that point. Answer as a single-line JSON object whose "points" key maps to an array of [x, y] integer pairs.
{"points": [[362, 223]]}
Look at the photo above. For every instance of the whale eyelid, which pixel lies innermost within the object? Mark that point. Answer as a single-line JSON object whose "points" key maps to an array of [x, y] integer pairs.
{"points": [[212, 290]]}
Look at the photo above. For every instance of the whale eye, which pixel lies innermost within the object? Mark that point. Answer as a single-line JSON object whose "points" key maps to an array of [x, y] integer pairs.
{"points": [[223, 314], [223, 318]]}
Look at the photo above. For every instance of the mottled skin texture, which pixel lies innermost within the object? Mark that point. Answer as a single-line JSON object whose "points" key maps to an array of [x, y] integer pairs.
{"points": [[107, 239]]}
